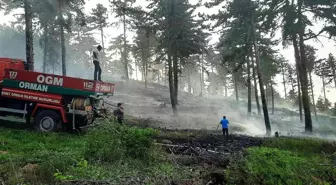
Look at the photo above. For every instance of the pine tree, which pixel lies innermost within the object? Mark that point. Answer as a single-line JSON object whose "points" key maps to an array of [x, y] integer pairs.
{"points": [[121, 8], [181, 36], [332, 66], [98, 19], [243, 34]]}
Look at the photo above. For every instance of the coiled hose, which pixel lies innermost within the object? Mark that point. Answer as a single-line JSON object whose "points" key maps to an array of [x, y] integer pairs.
{"points": [[80, 103]]}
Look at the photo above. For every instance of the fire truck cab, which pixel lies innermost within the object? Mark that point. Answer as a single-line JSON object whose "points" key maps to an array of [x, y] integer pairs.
{"points": [[49, 102]]}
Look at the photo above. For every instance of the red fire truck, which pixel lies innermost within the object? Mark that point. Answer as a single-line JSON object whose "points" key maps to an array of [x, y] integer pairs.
{"points": [[49, 101]]}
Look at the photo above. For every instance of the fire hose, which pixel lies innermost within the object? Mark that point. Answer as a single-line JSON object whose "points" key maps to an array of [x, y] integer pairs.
{"points": [[105, 102], [80, 104]]}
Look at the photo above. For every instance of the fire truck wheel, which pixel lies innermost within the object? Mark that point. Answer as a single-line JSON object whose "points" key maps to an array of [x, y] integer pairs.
{"points": [[47, 121]]}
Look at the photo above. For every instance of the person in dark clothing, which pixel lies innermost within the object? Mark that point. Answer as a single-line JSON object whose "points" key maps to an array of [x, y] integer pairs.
{"points": [[225, 127], [119, 113], [96, 62]]}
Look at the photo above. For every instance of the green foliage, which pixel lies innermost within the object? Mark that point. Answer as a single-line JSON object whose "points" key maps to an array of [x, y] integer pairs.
{"points": [[274, 166], [285, 161], [118, 48], [269, 65], [51, 152], [99, 16], [110, 143], [63, 156], [322, 104], [305, 146], [333, 110]]}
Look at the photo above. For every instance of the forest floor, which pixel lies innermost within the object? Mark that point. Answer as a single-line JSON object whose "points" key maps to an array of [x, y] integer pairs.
{"points": [[154, 148], [136, 154], [152, 104]]}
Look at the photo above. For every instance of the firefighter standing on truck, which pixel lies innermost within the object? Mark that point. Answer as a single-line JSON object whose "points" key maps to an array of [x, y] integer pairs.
{"points": [[96, 62]]}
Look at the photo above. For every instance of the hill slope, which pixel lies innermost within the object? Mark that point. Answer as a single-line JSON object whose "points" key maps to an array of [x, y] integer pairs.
{"points": [[205, 112]]}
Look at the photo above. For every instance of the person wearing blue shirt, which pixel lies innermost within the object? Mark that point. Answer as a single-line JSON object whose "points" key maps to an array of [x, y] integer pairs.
{"points": [[225, 127]]}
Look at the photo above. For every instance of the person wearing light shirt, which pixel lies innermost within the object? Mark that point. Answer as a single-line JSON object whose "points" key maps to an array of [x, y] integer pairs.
{"points": [[96, 63]]}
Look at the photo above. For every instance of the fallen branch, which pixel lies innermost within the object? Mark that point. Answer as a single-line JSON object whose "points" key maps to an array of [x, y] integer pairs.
{"points": [[84, 182], [127, 180]]}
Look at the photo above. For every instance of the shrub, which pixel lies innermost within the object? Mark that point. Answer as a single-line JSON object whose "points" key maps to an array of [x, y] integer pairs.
{"points": [[305, 146], [274, 166], [112, 142]]}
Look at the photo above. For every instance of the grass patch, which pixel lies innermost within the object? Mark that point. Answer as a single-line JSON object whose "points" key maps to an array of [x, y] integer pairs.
{"points": [[124, 154], [285, 161], [304, 146], [110, 143], [109, 152], [51, 152]]}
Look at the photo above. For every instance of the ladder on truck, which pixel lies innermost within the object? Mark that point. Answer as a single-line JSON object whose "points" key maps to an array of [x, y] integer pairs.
{"points": [[12, 118]]}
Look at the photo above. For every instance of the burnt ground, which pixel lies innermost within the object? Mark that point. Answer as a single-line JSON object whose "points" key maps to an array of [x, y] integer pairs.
{"points": [[211, 149], [207, 150]]}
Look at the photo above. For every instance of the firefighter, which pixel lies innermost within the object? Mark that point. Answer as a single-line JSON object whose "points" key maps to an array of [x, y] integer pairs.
{"points": [[225, 127], [119, 113], [96, 62]]}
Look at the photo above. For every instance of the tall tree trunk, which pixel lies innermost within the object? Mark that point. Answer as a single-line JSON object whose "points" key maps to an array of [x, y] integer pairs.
{"points": [[236, 86], [63, 51], [292, 83], [62, 40], [333, 70], [297, 63], [303, 72], [170, 65], [166, 72], [136, 68], [201, 75], [175, 69], [212, 81], [146, 72], [255, 85], [125, 45], [225, 83], [324, 85], [249, 94], [266, 94], [146, 59], [312, 91], [283, 78], [299, 97], [272, 94], [102, 37], [261, 84], [189, 80], [171, 82], [29, 35], [45, 48], [181, 85], [143, 73]]}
